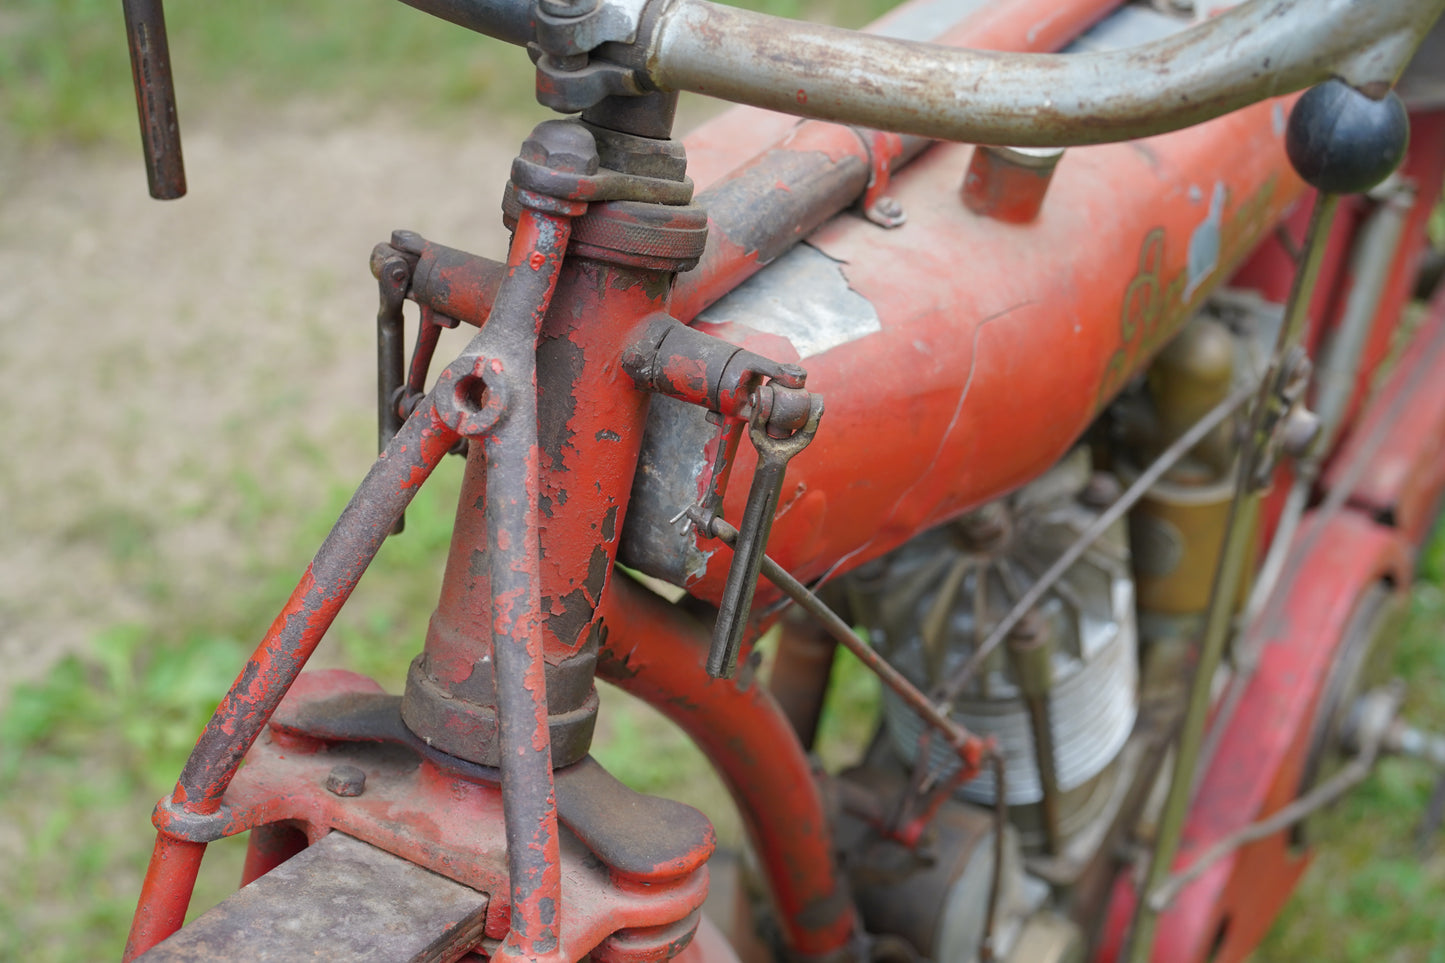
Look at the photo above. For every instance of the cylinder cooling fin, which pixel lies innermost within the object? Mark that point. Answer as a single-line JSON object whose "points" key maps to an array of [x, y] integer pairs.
{"points": [[1071, 665]]}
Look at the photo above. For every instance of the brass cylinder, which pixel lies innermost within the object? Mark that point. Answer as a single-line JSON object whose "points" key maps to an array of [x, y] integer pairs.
{"points": [[1192, 375], [1176, 534], [1177, 529]]}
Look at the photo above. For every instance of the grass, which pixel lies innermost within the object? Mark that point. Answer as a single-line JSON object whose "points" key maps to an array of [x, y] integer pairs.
{"points": [[1371, 892], [65, 71], [105, 734]]}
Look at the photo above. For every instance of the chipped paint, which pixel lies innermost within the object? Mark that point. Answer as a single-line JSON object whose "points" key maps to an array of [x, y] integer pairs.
{"points": [[803, 296], [1204, 242]]}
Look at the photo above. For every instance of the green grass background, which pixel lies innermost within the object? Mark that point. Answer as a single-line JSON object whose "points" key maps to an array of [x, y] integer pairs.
{"points": [[85, 752]]}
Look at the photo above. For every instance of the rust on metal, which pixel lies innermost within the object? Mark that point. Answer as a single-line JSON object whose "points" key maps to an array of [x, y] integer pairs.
{"points": [[338, 898], [155, 97], [655, 652]]}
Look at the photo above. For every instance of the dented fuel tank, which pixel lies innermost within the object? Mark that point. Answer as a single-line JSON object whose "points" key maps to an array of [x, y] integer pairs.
{"points": [[969, 352]]}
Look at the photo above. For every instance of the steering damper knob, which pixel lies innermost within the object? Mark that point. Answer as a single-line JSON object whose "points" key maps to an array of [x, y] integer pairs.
{"points": [[1343, 142]]}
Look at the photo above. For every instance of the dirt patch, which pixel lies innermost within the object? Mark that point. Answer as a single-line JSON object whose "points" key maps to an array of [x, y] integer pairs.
{"points": [[174, 372]]}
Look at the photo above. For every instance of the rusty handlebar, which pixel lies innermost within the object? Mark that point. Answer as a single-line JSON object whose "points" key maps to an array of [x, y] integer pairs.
{"points": [[1258, 49]]}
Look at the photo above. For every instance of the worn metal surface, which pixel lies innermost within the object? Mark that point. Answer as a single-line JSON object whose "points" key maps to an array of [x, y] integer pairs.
{"points": [[446, 820], [771, 203], [800, 174], [1056, 293], [505, 374], [1009, 183], [338, 899], [517, 608], [453, 282], [293, 636], [509, 20], [393, 274], [328, 581], [155, 97], [566, 487], [165, 893], [1287, 373], [1253, 51], [639, 837], [655, 651], [834, 314], [692, 366]]}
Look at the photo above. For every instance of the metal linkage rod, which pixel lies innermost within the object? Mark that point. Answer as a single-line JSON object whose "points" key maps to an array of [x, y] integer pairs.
{"points": [[969, 746], [1219, 614], [534, 856], [328, 582], [508, 20]]}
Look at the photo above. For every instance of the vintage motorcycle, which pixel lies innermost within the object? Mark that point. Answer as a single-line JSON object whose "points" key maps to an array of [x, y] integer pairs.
{"points": [[1126, 459]]}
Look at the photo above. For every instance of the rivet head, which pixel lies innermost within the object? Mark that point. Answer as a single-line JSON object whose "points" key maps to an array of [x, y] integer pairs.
{"points": [[346, 781], [886, 212]]}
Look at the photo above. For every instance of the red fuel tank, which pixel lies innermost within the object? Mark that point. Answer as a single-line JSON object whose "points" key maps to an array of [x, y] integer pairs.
{"points": [[967, 353]]}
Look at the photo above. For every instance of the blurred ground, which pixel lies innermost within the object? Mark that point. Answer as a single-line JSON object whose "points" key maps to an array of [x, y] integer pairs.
{"points": [[167, 365]]}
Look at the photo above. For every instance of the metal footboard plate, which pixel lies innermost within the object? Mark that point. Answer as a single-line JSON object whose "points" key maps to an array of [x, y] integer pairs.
{"points": [[339, 899]]}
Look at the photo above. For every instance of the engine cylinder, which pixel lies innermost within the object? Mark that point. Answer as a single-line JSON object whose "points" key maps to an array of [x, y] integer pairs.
{"points": [[939, 597]]}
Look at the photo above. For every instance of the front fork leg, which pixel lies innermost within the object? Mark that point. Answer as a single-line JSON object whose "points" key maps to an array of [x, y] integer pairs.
{"points": [[514, 550]]}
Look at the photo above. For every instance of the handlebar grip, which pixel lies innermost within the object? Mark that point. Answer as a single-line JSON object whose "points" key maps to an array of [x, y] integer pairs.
{"points": [[155, 97]]}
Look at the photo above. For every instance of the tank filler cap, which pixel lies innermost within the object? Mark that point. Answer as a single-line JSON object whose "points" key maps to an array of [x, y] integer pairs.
{"points": [[1009, 183]]}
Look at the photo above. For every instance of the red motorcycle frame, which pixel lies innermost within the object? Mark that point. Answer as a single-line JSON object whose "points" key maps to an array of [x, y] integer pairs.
{"points": [[998, 321]]}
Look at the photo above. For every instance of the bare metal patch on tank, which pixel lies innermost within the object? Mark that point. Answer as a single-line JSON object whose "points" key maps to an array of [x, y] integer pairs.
{"points": [[802, 296]]}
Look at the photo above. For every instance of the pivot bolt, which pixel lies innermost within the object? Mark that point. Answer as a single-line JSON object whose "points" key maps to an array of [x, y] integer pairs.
{"points": [[346, 781], [985, 529]]}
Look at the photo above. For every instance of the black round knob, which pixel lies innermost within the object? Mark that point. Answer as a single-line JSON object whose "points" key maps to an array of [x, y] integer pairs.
{"points": [[1342, 142]]}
